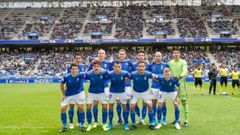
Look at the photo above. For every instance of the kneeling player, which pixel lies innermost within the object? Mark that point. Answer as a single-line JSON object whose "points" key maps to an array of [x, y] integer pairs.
{"points": [[168, 90], [73, 93], [140, 90], [117, 91], [97, 78]]}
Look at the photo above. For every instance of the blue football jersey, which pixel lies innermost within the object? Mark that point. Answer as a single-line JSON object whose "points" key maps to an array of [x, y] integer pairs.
{"points": [[127, 65], [141, 81], [158, 70], [168, 85], [118, 81], [97, 81]]}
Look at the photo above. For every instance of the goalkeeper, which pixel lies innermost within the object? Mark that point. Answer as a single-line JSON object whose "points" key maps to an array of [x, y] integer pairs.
{"points": [[178, 68]]}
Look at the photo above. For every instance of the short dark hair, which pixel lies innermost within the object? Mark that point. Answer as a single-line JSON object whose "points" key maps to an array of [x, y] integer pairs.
{"points": [[141, 51], [77, 54], [117, 62], [96, 62], [140, 62], [73, 65], [122, 50]]}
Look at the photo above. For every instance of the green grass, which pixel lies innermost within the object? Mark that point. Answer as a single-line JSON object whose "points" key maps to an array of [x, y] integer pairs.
{"points": [[35, 109]]}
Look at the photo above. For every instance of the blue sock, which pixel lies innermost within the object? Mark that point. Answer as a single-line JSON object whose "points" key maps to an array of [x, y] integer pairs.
{"points": [[125, 116], [110, 116], [128, 106], [119, 112], [104, 116], [154, 112], [81, 118], [70, 114], [133, 117], [150, 116], [177, 113], [64, 119], [159, 114], [95, 113], [137, 110], [164, 111], [89, 117], [144, 112]]}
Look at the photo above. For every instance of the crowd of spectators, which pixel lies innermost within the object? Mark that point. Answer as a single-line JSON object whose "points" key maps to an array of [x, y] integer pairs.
{"points": [[189, 22], [220, 26], [167, 27], [228, 56], [53, 62], [105, 28], [130, 23]]}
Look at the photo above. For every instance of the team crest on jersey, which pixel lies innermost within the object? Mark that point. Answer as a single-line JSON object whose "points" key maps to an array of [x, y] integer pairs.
{"points": [[101, 77], [78, 79], [170, 84], [121, 78], [145, 78]]}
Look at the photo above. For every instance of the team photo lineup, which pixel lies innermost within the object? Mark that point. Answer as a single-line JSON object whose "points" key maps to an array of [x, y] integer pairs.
{"points": [[119, 67], [127, 83]]}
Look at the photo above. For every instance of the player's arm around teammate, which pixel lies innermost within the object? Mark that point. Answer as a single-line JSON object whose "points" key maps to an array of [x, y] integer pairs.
{"points": [[168, 90], [141, 91], [97, 78], [118, 78], [74, 92]]}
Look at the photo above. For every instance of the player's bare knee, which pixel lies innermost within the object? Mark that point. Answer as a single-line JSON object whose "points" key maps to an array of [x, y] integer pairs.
{"points": [[89, 106], [104, 106], [111, 106], [80, 108], [71, 106], [133, 107], [149, 107], [124, 106], [160, 104], [63, 108]]}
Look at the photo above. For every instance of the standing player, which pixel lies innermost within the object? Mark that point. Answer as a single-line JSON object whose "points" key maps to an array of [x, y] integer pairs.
{"points": [[81, 68], [212, 75], [97, 78], [74, 92], [223, 73], [178, 68], [141, 58], [157, 68], [127, 65], [235, 80], [107, 65], [140, 90], [197, 74], [168, 86], [117, 91]]}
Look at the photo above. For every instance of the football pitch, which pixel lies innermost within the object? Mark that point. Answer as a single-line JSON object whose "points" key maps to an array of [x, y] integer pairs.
{"points": [[32, 109]]}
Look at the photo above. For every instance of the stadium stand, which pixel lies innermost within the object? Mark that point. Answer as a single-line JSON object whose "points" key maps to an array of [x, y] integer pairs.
{"points": [[123, 22]]}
